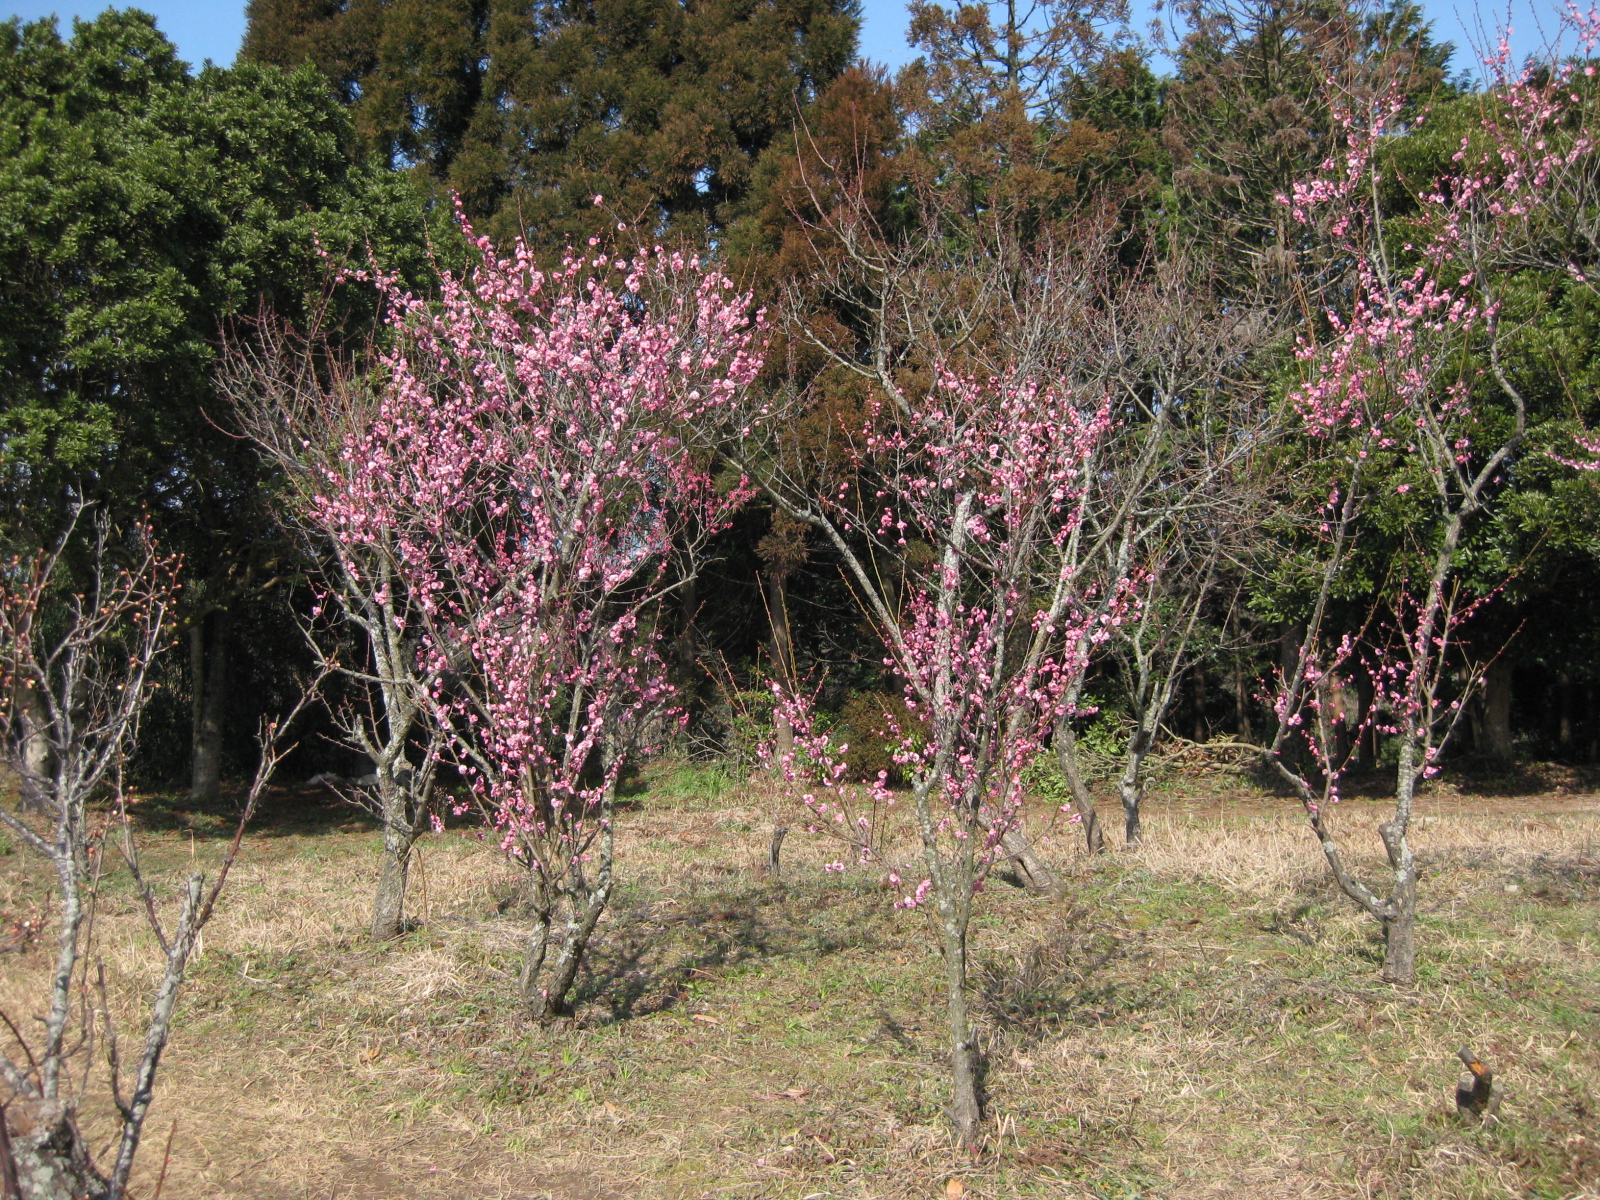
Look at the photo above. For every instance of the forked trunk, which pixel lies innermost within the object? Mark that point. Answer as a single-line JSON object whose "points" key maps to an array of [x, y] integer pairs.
{"points": [[534, 956], [586, 904], [966, 1102], [555, 1000], [48, 1152]]}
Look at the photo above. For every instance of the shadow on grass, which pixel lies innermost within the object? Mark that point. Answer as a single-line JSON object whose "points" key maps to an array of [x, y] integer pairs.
{"points": [[1082, 974], [299, 810], [649, 956], [1481, 776]]}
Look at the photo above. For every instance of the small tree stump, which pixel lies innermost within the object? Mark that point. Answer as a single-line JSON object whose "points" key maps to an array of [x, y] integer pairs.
{"points": [[774, 862], [1478, 1093]]}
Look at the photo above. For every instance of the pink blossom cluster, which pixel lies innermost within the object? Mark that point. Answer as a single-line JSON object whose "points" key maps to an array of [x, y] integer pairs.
{"points": [[1590, 445], [990, 474], [528, 461], [1384, 376], [1534, 139]]}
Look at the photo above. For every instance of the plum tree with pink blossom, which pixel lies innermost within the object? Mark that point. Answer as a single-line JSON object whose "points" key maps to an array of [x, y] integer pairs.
{"points": [[302, 399], [990, 475], [1411, 360], [525, 461]]}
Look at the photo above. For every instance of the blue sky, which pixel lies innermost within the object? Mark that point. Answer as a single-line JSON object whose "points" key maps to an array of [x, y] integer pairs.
{"points": [[212, 30]]}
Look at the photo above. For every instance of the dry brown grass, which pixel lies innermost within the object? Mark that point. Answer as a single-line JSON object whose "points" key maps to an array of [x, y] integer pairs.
{"points": [[1257, 855], [1200, 1017]]}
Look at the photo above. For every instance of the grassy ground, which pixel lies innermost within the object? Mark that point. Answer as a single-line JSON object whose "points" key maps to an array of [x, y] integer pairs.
{"points": [[1200, 1017]]}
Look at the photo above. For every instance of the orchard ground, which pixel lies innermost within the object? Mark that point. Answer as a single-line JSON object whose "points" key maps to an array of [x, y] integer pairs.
{"points": [[1198, 1017]]}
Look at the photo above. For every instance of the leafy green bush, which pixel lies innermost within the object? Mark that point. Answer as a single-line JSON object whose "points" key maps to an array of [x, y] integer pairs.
{"points": [[749, 719], [874, 724], [1043, 778]]}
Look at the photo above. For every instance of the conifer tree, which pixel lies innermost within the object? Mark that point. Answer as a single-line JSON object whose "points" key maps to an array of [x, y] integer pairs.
{"points": [[530, 111], [1246, 115]]}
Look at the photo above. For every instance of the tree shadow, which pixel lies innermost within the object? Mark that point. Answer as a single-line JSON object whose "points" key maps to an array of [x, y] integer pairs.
{"points": [[1065, 979], [293, 810], [311, 809], [1481, 775], [895, 1031], [652, 953]]}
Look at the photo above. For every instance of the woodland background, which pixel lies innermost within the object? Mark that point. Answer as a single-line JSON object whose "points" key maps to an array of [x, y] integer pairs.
{"points": [[148, 210]]}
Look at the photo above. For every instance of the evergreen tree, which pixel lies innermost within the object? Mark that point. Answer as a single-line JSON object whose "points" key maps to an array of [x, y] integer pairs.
{"points": [[528, 111], [142, 208], [1246, 115]]}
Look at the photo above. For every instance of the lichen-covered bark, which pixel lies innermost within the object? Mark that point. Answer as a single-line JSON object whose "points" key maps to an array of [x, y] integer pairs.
{"points": [[51, 1158]]}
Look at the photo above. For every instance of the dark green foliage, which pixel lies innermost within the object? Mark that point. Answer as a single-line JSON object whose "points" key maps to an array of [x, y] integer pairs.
{"points": [[875, 724], [528, 111], [1246, 116], [144, 211], [142, 207]]}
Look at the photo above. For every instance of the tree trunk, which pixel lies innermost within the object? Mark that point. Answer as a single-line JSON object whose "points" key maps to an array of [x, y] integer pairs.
{"points": [[686, 673], [1593, 720], [782, 650], [1366, 731], [538, 947], [966, 1104], [1132, 825], [1131, 788], [1333, 705], [10, 1189], [1201, 730], [586, 906], [51, 1158], [1496, 710], [1289, 641], [179, 951], [553, 1001], [208, 664], [1564, 721], [1241, 702], [1066, 743], [775, 852], [1035, 875], [1400, 912], [38, 761], [1400, 938], [388, 904]]}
